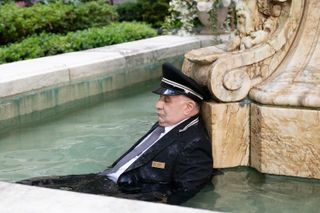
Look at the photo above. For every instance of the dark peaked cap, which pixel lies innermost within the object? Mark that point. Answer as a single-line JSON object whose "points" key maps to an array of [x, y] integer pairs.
{"points": [[174, 82]]}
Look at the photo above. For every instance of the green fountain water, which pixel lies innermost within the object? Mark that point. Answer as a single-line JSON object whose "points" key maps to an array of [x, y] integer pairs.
{"points": [[86, 140], [89, 139]]}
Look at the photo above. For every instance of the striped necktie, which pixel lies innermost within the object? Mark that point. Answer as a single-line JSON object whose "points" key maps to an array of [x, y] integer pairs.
{"points": [[137, 150]]}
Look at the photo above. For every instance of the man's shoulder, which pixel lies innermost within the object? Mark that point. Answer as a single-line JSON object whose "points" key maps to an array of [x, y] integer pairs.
{"points": [[193, 136], [192, 124], [193, 129]]}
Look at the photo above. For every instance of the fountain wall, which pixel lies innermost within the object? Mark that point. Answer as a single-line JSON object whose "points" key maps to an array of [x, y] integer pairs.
{"points": [[265, 86]]}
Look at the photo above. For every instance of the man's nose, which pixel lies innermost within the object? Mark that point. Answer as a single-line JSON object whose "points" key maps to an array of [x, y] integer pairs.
{"points": [[159, 104]]}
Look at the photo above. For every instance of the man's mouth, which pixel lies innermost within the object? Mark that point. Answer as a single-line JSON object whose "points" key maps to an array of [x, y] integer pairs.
{"points": [[159, 115]]}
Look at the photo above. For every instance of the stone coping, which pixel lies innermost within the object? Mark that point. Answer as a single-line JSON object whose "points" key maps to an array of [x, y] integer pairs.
{"points": [[21, 198], [23, 76], [29, 89]]}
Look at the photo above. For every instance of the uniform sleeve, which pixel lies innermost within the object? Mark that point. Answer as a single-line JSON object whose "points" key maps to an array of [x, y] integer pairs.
{"points": [[192, 172]]}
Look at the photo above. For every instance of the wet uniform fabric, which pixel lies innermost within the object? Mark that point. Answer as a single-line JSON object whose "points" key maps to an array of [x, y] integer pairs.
{"points": [[85, 183], [171, 171]]}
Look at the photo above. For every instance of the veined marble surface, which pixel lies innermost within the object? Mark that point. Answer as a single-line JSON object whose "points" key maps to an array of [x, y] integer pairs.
{"points": [[285, 141], [228, 128], [297, 81]]}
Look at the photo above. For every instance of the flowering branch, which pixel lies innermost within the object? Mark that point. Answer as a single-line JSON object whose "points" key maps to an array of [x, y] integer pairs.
{"points": [[183, 13]]}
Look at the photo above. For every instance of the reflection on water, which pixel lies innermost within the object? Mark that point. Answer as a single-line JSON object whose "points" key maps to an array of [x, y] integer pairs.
{"points": [[246, 190], [90, 139]]}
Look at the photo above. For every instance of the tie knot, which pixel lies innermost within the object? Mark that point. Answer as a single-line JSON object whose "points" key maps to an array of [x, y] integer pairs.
{"points": [[159, 129]]}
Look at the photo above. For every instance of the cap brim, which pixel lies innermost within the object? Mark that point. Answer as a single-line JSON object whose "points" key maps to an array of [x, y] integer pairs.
{"points": [[166, 91]]}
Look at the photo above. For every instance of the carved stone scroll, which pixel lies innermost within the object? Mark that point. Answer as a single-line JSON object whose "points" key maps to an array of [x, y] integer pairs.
{"points": [[297, 81], [266, 31]]}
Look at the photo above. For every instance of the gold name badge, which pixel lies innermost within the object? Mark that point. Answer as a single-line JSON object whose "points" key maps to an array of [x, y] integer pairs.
{"points": [[159, 165]]}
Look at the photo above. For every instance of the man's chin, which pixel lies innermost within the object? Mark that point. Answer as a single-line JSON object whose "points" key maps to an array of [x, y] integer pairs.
{"points": [[160, 122]]}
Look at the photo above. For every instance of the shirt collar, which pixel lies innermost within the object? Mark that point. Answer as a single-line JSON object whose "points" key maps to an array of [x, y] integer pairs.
{"points": [[169, 128]]}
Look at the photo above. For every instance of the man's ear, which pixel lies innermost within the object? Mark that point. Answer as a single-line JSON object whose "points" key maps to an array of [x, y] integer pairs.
{"points": [[190, 107]]}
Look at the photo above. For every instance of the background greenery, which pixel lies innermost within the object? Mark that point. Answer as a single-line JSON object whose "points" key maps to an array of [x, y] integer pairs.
{"points": [[51, 44], [17, 23], [37, 28], [150, 11]]}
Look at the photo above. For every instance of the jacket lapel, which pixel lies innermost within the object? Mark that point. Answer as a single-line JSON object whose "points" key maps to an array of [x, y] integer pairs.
{"points": [[165, 141]]}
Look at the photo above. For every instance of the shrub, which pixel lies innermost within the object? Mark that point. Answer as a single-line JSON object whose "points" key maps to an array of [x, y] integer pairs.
{"points": [[17, 23], [149, 11], [130, 11], [154, 12], [5, 2], [50, 44]]}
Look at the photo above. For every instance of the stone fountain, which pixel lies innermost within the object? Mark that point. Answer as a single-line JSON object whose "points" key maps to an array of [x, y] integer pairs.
{"points": [[265, 85]]}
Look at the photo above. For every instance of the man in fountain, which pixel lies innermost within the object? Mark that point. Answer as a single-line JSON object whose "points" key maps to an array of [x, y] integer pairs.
{"points": [[169, 164]]}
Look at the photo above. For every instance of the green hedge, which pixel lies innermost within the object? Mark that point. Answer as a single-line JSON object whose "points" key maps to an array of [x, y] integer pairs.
{"points": [[149, 11], [130, 11], [17, 23], [50, 44], [155, 11]]}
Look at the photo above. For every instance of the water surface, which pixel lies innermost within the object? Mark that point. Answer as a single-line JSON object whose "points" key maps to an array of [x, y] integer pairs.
{"points": [[86, 140], [246, 190]]}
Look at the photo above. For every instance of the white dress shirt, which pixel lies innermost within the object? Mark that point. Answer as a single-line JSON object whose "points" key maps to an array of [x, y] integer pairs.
{"points": [[114, 176]]}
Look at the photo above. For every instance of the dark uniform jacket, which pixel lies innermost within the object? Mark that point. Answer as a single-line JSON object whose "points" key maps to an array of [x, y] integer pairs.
{"points": [[174, 169]]}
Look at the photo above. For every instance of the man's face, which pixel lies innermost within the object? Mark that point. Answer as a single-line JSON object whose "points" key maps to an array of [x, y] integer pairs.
{"points": [[171, 109]]}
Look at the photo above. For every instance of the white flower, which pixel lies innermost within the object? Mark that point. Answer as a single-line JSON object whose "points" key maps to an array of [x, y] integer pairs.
{"points": [[185, 11], [205, 1], [204, 6], [226, 3]]}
